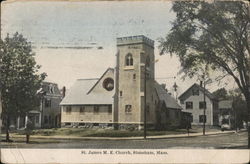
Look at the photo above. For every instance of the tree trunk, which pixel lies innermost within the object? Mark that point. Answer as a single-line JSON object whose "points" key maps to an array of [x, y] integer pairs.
{"points": [[27, 138], [247, 96], [7, 124], [248, 119]]}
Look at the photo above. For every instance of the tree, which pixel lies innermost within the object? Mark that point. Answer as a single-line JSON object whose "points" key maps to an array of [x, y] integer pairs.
{"points": [[214, 34], [20, 79], [239, 106], [220, 94]]}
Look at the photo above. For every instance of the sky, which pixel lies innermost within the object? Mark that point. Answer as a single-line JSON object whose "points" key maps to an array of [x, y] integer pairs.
{"points": [[75, 40]]}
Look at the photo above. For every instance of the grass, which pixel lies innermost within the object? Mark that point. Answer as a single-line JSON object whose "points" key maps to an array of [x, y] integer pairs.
{"points": [[100, 132]]}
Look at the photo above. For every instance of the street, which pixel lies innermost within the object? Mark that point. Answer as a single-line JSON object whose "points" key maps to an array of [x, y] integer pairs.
{"points": [[219, 141]]}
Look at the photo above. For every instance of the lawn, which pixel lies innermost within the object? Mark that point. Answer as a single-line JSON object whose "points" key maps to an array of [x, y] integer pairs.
{"points": [[98, 132], [80, 132]]}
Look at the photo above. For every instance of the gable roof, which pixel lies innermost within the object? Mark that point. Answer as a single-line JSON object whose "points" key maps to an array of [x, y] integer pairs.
{"points": [[81, 93], [99, 80], [169, 101], [195, 85]]}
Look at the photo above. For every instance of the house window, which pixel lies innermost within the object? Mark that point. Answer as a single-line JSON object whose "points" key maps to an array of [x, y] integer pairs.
{"points": [[96, 109], [191, 118], [82, 110], [189, 105], [134, 76], [129, 60], [201, 105], [68, 110], [167, 113], [37, 119], [195, 92], [120, 93], [176, 114], [128, 108], [110, 109], [45, 119], [201, 118], [47, 103]]}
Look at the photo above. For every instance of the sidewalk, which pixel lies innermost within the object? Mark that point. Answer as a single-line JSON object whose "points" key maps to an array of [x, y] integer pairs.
{"points": [[125, 138]]}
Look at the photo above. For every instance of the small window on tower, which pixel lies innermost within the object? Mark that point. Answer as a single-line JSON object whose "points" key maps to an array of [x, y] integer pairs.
{"points": [[120, 93], [134, 76], [128, 108]]}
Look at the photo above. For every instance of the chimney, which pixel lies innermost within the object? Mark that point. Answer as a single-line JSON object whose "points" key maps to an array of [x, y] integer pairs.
{"points": [[63, 91], [163, 86]]}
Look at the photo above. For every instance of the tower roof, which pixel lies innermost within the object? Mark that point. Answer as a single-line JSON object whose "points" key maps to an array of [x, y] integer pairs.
{"points": [[135, 40]]}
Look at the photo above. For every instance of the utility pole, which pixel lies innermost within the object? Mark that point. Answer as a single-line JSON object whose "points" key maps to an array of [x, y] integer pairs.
{"points": [[0, 76], [203, 84], [145, 102], [204, 107]]}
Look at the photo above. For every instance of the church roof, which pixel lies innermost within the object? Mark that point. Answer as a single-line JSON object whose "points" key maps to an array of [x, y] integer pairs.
{"points": [[82, 93], [164, 96]]}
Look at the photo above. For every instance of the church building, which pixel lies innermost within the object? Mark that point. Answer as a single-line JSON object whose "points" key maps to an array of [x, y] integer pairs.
{"points": [[122, 94]]}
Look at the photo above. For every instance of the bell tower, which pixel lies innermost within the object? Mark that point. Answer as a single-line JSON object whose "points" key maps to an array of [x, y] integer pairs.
{"points": [[135, 68]]}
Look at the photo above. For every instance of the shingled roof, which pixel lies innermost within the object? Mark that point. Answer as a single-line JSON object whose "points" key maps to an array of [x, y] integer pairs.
{"points": [[164, 96], [82, 93]]}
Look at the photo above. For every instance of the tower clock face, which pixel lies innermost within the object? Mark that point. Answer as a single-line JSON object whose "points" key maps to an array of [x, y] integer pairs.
{"points": [[108, 84]]}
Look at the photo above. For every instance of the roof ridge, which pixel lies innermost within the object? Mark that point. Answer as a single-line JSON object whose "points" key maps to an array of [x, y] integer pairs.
{"points": [[89, 79], [204, 90]]}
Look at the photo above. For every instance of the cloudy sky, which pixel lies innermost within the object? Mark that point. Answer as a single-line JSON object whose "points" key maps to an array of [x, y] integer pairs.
{"points": [[67, 36]]}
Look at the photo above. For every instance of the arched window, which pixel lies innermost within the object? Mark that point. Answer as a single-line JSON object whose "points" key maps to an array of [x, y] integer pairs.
{"points": [[129, 60]]}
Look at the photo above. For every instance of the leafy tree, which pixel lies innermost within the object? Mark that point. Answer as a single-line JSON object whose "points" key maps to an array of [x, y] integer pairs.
{"points": [[213, 34], [239, 104], [220, 94], [20, 79]]}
